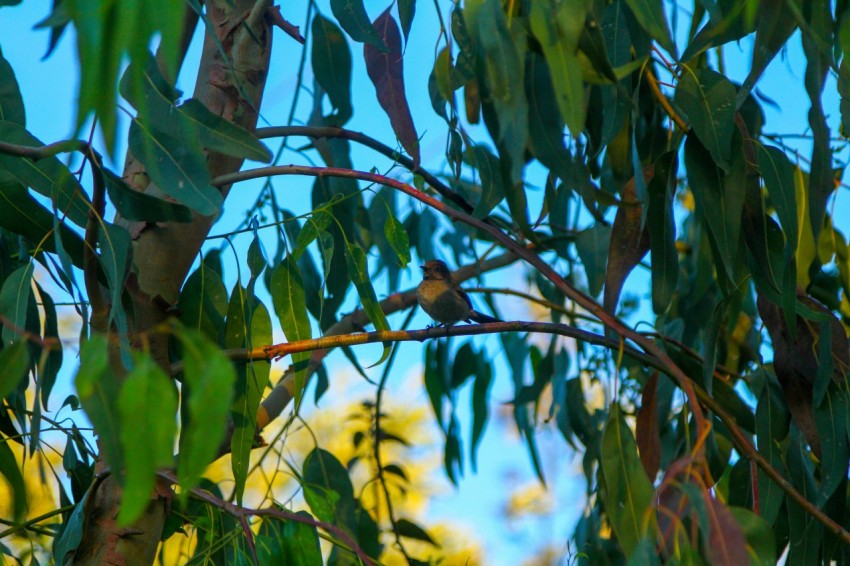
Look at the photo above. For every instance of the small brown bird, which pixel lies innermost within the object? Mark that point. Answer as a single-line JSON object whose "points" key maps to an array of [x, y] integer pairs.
{"points": [[443, 299]]}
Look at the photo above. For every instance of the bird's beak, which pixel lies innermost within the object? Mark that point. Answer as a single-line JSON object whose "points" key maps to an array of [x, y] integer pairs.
{"points": [[422, 267]]}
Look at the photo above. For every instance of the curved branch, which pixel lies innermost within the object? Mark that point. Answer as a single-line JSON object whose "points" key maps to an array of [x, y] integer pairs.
{"points": [[332, 132], [580, 298]]}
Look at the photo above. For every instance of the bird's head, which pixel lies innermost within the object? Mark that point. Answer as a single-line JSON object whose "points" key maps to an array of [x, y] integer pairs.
{"points": [[435, 269]]}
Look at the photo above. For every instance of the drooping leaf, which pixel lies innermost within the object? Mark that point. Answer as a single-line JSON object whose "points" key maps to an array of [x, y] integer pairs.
{"points": [[490, 176], [248, 325], [355, 259], [287, 291], [353, 18], [98, 390], [139, 206], [10, 471], [650, 14], [662, 232], [203, 302], [11, 102], [628, 491], [647, 434], [323, 470], [707, 98], [831, 421], [397, 237], [386, 71], [147, 405], [719, 199], [629, 243], [592, 245], [331, 59], [14, 301], [480, 405], [558, 28], [208, 382], [14, 365], [774, 25], [221, 135], [406, 11], [410, 529]]}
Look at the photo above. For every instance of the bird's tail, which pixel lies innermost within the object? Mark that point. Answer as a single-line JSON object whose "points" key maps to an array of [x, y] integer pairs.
{"points": [[482, 318]]}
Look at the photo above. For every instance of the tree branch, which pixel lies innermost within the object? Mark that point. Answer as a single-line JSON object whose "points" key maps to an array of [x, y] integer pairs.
{"points": [[580, 298]]}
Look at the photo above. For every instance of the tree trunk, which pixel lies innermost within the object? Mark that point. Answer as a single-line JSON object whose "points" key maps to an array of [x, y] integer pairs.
{"points": [[230, 82]]}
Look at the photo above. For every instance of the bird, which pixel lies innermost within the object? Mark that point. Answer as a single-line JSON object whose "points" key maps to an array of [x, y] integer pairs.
{"points": [[443, 299]]}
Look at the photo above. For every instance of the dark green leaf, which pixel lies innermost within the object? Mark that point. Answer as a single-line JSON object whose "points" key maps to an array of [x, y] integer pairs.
{"points": [[14, 300], [650, 14], [480, 408], [331, 61], [208, 381], [322, 469], [353, 18], [11, 102], [14, 365], [147, 406], [136, 205], [831, 420], [719, 198], [218, 134], [628, 492], [287, 291], [707, 98], [397, 237], [203, 302], [774, 25], [761, 545], [558, 28], [252, 378], [176, 167], [662, 237], [98, 389], [406, 11], [355, 259], [592, 246], [492, 183]]}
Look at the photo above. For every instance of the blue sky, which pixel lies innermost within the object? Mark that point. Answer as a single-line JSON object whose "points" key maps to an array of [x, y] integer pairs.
{"points": [[49, 88]]}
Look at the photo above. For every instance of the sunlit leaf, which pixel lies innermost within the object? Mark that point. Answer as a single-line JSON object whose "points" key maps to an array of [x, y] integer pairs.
{"points": [[147, 406], [287, 291]]}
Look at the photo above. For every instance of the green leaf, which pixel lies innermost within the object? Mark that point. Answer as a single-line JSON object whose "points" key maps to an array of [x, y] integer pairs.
{"points": [[778, 175], [138, 206], [14, 299], [650, 15], [406, 11], [287, 291], [11, 102], [252, 378], [662, 234], [105, 33], [355, 259], [492, 182], [322, 469], [592, 246], [558, 28], [208, 382], [21, 214], [9, 470], [772, 421], [98, 390], [14, 366], [628, 492], [707, 98], [397, 237], [353, 18], [203, 302], [147, 406], [313, 226], [774, 25], [221, 135], [176, 167], [50, 370], [831, 420], [331, 60], [480, 408], [719, 199], [48, 176], [116, 255]]}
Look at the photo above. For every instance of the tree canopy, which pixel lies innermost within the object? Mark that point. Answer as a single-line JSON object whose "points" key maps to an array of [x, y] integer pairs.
{"points": [[622, 169]]}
